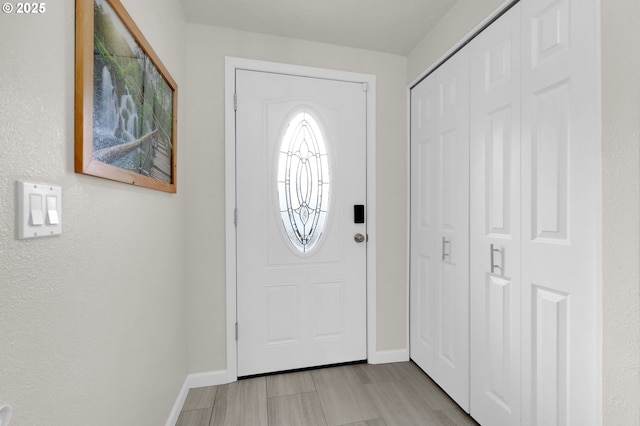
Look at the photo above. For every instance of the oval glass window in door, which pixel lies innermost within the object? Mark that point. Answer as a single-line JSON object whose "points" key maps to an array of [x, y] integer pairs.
{"points": [[303, 182]]}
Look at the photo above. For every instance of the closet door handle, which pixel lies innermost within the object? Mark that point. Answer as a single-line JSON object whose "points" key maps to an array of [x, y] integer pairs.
{"points": [[493, 263], [445, 253]]}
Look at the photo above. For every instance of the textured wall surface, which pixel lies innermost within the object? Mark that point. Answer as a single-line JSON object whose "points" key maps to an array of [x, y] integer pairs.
{"points": [[95, 323], [463, 18], [91, 322], [621, 212], [207, 48]]}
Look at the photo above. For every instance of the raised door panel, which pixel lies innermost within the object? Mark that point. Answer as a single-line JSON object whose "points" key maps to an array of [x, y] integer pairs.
{"points": [[439, 227], [424, 177], [452, 242], [495, 222], [560, 213]]}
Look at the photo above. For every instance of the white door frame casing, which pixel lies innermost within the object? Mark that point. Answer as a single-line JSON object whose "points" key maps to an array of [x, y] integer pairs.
{"points": [[231, 65]]}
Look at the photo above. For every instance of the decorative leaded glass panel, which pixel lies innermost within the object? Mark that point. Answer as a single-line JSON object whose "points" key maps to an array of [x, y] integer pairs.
{"points": [[303, 182]]}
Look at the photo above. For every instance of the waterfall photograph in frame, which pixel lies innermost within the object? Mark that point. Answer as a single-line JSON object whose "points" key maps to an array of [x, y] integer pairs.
{"points": [[125, 101]]}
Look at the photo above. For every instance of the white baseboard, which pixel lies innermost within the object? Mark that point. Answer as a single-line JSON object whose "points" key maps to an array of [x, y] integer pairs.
{"points": [[177, 406], [192, 381], [386, 357], [209, 378]]}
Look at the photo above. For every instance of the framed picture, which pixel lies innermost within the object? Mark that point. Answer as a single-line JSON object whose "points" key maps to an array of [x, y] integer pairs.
{"points": [[125, 101]]}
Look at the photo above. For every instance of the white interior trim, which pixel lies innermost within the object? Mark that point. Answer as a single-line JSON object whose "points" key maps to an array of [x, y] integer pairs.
{"points": [[198, 380], [407, 177], [389, 356], [599, 216], [209, 378], [177, 407], [231, 64], [230, 203]]}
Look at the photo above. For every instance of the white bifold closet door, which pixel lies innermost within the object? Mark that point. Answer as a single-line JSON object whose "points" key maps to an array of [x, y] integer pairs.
{"points": [[495, 291], [561, 206], [535, 168], [440, 227], [526, 318]]}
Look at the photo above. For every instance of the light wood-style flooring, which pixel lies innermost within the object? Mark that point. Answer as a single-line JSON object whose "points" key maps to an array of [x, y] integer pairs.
{"points": [[355, 395]]}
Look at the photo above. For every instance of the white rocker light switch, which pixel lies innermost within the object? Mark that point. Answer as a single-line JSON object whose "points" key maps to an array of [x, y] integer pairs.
{"points": [[39, 210]]}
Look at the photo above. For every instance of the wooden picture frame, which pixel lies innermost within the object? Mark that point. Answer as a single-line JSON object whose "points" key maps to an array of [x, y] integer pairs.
{"points": [[125, 101]]}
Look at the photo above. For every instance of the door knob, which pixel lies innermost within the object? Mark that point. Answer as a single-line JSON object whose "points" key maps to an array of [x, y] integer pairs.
{"points": [[359, 238]]}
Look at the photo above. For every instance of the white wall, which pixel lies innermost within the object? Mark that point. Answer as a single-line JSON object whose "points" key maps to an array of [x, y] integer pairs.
{"points": [[621, 211], [463, 18], [206, 50], [91, 322], [620, 179]]}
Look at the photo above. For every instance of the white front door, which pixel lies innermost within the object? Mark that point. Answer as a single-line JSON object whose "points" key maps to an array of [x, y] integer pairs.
{"points": [[439, 270], [301, 221]]}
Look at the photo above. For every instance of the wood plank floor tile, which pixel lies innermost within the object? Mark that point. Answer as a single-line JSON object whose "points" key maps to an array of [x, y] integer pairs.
{"points": [[374, 422], [455, 417], [195, 417], [372, 373], [296, 410], [198, 398], [435, 397], [241, 403], [352, 395], [343, 396], [400, 404], [289, 384]]}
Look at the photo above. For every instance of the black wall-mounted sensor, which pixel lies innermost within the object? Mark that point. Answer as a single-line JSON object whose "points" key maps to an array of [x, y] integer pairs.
{"points": [[358, 213]]}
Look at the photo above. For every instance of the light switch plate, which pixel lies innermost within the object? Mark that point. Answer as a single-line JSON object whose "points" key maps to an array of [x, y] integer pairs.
{"points": [[39, 210]]}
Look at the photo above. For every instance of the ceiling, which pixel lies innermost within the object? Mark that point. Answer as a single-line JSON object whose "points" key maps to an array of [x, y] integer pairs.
{"points": [[391, 26]]}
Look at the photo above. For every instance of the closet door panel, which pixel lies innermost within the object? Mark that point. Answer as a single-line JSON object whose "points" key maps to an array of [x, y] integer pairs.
{"points": [[439, 227], [495, 222], [424, 176], [560, 205], [452, 198]]}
